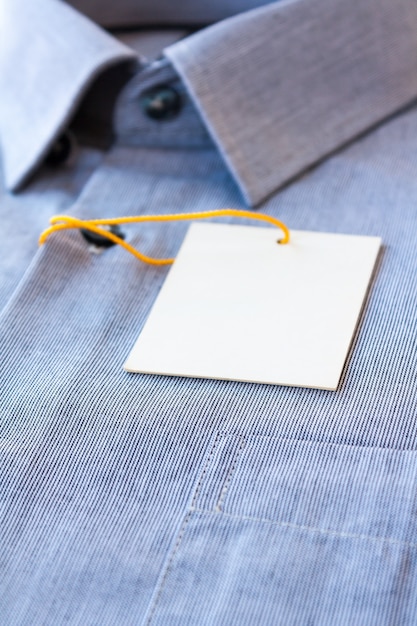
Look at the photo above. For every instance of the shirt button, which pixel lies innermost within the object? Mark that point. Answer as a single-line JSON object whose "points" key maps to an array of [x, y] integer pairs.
{"points": [[161, 103], [98, 240], [60, 150]]}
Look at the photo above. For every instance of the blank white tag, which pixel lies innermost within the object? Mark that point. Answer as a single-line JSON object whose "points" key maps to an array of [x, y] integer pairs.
{"points": [[236, 305]]}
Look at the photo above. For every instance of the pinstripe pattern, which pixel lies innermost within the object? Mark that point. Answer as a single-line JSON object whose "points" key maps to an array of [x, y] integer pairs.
{"points": [[129, 499], [330, 70]]}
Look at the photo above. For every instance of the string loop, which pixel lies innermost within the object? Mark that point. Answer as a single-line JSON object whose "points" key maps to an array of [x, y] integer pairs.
{"points": [[64, 222]]}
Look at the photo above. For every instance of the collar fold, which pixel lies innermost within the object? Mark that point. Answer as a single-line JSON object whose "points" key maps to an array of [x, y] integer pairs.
{"points": [[49, 56], [278, 87], [281, 87]]}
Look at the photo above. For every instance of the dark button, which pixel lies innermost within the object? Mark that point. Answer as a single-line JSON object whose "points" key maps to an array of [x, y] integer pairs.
{"points": [[161, 103], [100, 241], [60, 151]]}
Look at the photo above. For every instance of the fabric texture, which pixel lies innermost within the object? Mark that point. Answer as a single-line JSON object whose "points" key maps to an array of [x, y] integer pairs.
{"points": [[282, 86], [142, 499], [41, 83], [131, 13], [133, 127], [24, 216], [246, 76], [145, 499]]}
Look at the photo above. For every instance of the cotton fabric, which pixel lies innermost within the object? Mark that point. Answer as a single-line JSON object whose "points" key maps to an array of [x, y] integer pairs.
{"points": [[136, 499]]}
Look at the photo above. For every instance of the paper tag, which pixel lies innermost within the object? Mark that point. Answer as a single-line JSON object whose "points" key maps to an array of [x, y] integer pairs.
{"points": [[236, 305]]}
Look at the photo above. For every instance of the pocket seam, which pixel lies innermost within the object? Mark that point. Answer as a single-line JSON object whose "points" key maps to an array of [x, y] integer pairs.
{"points": [[225, 489], [337, 444], [313, 529], [204, 472], [189, 512]]}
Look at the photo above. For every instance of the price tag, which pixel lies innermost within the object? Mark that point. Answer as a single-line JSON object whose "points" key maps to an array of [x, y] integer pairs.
{"points": [[236, 305]]}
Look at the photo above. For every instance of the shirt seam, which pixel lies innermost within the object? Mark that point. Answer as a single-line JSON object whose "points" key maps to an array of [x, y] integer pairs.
{"points": [[312, 529]]}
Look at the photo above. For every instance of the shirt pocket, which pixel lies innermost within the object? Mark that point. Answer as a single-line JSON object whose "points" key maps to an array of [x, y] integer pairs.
{"points": [[285, 531], [317, 485]]}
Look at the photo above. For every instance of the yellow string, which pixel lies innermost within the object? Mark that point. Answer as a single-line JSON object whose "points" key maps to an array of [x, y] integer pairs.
{"points": [[64, 222]]}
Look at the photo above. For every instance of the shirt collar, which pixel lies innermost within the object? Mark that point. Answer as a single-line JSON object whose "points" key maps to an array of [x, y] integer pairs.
{"points": [[281, 87], [278, 88], [49, 56]]}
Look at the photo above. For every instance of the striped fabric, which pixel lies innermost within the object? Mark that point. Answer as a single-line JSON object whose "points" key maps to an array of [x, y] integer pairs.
{"points": [[138, 499], [283, 86]]}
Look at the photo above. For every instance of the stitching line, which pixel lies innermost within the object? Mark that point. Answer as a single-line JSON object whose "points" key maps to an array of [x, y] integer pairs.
{"points": [[220, 502], [322, 531], [182, 530], [204, 472], [323, 442]]}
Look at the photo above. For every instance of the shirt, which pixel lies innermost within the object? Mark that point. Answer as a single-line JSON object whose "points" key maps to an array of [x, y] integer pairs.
{"points": [[130, 499]]}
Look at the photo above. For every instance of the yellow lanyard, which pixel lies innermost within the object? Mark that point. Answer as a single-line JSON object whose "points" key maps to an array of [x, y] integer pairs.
{"points": [[64, 222]]}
